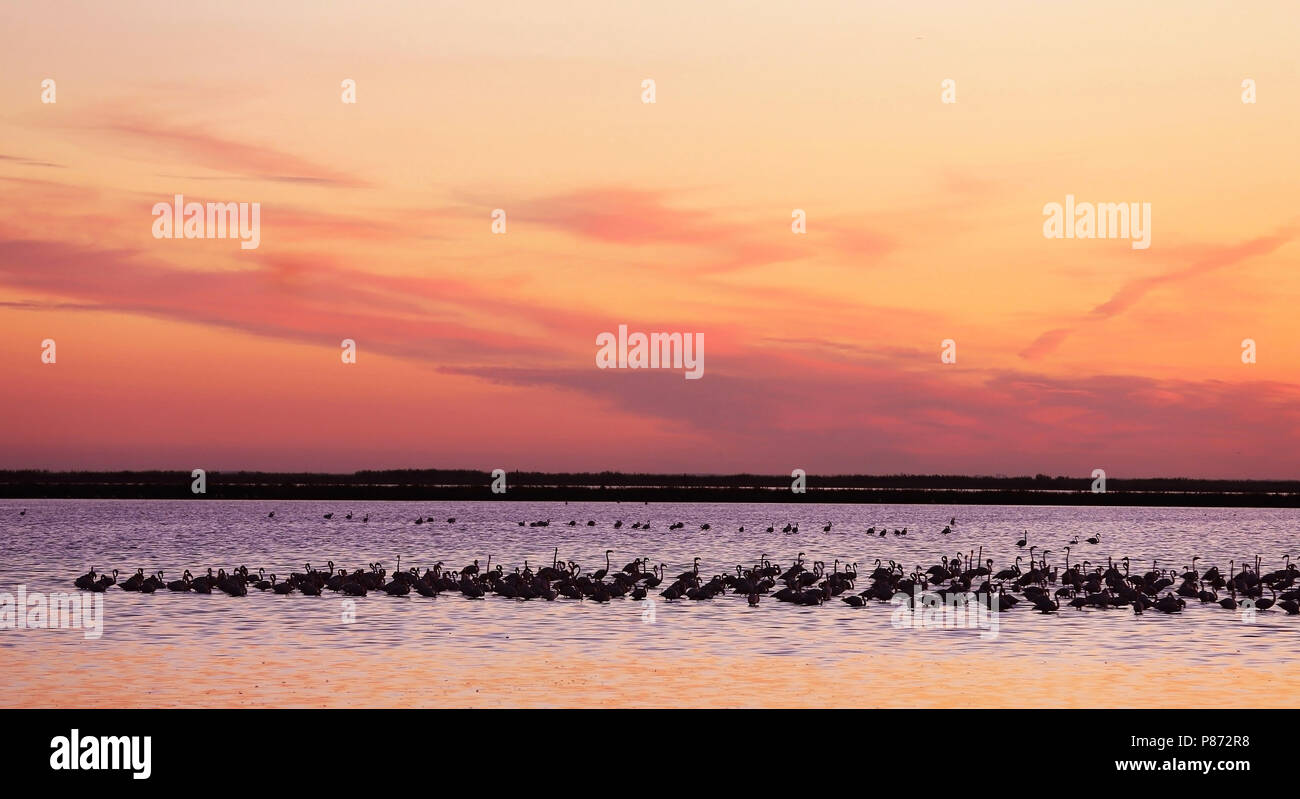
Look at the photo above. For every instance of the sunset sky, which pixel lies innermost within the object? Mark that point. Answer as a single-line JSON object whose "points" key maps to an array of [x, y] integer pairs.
{"points": [[822, 351]]}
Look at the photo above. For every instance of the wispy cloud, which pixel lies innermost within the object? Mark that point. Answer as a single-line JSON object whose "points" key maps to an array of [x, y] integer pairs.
{"points": [[1205, 259], [19, 160], [193, 145], [720, 240]]}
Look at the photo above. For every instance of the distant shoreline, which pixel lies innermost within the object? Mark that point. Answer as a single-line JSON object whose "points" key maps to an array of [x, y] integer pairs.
{"points": [[467, 485]]}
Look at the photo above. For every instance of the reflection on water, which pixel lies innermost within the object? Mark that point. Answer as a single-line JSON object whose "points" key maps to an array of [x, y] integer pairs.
{"points": [[274, 650]]}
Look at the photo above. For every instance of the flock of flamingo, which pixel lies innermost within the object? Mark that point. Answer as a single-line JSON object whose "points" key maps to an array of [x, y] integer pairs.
{"points": [[1038, 583]]}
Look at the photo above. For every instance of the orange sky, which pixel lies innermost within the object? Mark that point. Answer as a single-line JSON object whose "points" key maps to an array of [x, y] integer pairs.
{"points": [[821, 350]]}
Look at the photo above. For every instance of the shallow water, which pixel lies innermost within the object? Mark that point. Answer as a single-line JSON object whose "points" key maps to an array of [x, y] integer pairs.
{"points": [[458, 641]]}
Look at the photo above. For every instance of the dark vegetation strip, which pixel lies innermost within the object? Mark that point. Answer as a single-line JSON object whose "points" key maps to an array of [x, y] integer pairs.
{"points": [[468, 485]]}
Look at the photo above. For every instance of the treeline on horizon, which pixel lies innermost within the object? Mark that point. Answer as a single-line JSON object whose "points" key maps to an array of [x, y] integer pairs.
{"points": [[469, 478]]}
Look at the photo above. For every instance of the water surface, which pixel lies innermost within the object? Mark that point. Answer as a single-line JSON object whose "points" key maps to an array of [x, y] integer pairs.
{"points": [[171, 648]]}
